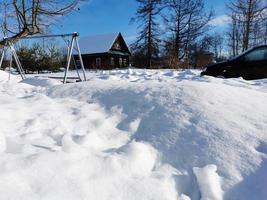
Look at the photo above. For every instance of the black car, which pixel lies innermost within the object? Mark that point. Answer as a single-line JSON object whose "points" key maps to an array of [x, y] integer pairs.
{"points": [[251, 64]]}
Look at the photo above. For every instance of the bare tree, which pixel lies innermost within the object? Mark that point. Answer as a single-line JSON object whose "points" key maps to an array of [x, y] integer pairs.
{"points": [[217, 44], [234, 35], [248, 20], [263, 17], [148, 39], [185, 21], [30, 17]]}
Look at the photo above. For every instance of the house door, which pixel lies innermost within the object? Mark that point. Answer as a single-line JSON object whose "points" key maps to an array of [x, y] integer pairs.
{"points": [[120, 62]]}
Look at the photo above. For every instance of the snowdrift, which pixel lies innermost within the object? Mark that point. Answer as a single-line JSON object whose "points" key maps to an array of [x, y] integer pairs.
{"points": [[134, 134]]}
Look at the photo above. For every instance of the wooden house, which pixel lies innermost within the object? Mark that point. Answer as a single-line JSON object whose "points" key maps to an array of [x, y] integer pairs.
{"points": [[104, 52]]}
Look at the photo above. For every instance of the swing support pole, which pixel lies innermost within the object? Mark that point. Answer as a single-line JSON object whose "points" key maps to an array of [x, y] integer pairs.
{"points": [[18, 63], [16, 58], [80, 57], [68, 60], [2, 57], [73, 44]]}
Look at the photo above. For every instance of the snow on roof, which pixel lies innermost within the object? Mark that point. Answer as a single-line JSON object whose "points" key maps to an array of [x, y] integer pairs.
{"points": [[97, 43]]}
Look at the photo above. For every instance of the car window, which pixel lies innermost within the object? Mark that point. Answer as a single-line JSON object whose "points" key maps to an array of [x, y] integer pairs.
{"points": [[257, 55]]}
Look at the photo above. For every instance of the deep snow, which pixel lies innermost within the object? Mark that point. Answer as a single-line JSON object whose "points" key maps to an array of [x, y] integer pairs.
{"points": [[133, 134]]}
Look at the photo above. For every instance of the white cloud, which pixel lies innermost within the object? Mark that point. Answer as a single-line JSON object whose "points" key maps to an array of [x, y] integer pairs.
{"points": [[220, 20]]}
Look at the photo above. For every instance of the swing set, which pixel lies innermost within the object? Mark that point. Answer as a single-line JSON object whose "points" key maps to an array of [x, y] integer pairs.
{"points": [[72, 44]]}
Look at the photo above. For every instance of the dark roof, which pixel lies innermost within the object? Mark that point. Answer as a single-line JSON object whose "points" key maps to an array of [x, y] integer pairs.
{"points": [[99, 43]]}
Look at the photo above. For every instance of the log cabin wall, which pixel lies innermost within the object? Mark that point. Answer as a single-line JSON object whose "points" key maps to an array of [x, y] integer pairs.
{"points": [[117, 55], [107, 61]]}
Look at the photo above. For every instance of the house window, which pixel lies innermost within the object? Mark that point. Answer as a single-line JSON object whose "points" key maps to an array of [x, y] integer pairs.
{"points": [[117, 46], [98, 62], [125, 62], [120, 62], [257, 55], [112, 61]]}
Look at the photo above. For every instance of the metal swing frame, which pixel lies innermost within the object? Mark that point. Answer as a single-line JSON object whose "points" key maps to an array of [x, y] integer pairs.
{"points": [[14, 55], [71, 45]]}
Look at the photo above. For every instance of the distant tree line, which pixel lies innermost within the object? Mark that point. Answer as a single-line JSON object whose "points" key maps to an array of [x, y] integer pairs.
{"points": [[39, 58], [248, 24], [177, 33]]}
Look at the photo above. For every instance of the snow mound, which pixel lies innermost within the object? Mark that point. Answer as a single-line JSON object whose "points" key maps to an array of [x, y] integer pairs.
{"points": [[4, 77], [191, 121], [66, 149], [42, 82], [2, 143], [134, 134], [57, 175], [209, 182]]}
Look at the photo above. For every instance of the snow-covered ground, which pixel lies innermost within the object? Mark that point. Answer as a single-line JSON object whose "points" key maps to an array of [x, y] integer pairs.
{"points": [[133, 134]]}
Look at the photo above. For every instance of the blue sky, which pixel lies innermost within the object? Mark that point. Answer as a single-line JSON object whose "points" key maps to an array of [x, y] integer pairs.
{"points": [[109, 16]]}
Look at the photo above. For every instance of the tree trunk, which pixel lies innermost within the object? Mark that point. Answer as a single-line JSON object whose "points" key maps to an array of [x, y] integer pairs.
{"points": [[13, 39], [149, 49], [178, 32], [247, 26]]}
